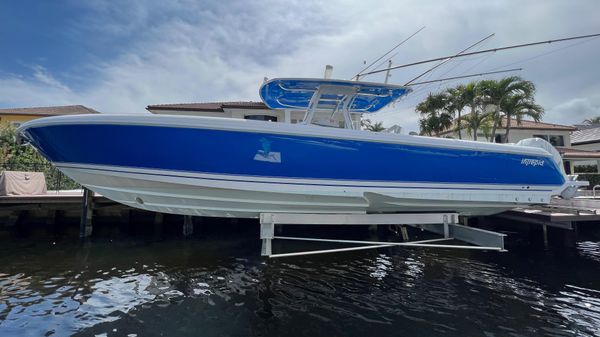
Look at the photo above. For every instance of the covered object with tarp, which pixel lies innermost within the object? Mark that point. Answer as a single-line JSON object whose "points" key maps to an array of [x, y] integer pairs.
{"points": [[22, 183]]}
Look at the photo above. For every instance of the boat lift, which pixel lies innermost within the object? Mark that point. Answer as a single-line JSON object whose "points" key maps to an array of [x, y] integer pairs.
{"points": [[438, 223]]}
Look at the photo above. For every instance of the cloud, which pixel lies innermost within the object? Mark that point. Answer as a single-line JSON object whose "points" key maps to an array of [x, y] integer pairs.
{"points": [[45, 78], [576, 110], [189, 51]]}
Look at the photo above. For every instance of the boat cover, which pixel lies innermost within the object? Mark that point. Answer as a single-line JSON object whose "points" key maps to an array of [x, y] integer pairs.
{"points": [[22, 183], [296, 93]]}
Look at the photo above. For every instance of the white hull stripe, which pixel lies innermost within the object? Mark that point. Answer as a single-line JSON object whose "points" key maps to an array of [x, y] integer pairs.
{"points": [[305, 182]]}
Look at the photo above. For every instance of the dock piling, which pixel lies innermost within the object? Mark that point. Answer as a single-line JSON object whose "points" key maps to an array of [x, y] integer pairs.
{"points": [[87, 210], [158, 223], [188, 226], [404, 232]]}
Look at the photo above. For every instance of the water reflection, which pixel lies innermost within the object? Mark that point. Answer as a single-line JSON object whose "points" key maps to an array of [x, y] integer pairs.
{"points": [[191, 288]]}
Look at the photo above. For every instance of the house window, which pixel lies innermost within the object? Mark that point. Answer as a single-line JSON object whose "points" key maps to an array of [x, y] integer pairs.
{"points": [[500, 139], [261, 118], [555, 140]]}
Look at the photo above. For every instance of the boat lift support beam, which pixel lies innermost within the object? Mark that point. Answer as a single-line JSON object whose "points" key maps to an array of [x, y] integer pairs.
{"points": [[439, 223]]}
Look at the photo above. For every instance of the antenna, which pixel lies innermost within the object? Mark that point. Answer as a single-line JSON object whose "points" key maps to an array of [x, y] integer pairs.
{"points": [[482, 52], [387, 74], [357, 76]]}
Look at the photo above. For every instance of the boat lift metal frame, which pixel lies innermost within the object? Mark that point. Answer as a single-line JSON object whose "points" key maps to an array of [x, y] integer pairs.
{"points": [[439, 223]]}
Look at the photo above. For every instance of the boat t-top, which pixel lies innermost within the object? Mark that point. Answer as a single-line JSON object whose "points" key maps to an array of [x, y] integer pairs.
{"points": [[227, 167]]}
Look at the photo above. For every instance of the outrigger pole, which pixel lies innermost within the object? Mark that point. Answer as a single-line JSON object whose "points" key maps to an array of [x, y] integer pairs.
{"points": [[465, 76], [481, 52], [357, 76], [449, 59]]}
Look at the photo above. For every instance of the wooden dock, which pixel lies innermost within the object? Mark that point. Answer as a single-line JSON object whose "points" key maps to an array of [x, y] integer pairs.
{"points": [[47, 208], [559, 213], [79, 206]]}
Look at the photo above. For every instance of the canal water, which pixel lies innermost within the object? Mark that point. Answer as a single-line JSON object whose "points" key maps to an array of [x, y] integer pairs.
{"points": [[218, 285]]}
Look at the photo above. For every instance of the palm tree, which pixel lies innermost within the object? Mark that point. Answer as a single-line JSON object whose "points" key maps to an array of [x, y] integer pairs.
{"points": [[434, 117], [368, 125], [475, 122], [518, 106], [593, 120], [472, 97], [494, 93], [488, 102], [455, 103], [377, 127]]}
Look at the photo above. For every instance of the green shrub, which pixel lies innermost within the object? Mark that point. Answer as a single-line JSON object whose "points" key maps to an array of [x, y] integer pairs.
{"points": [[16, 157], [593, 178], [586, 169]]}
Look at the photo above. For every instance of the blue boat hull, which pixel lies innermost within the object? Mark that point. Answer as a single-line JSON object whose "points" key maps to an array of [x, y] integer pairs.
{"points": [[205, 153]]}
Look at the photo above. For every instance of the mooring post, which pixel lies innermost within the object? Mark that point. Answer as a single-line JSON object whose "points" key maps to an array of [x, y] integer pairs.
{"points": [[446, 227], [87, 211], [404, 233], [158, 224], [545, 232], [188, 226], [570, 236]]}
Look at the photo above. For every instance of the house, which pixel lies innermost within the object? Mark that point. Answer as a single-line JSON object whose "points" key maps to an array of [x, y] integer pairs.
{"points": [[245, 110], [574, 157], [17, 116], [586, 137]]}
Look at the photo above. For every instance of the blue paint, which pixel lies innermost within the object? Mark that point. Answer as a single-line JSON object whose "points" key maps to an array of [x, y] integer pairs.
{"points": [[234, 152], [297, 93]]}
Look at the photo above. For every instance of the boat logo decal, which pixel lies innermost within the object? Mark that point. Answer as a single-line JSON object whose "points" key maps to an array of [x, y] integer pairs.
{"points": [[532, 162], [266, 154]]}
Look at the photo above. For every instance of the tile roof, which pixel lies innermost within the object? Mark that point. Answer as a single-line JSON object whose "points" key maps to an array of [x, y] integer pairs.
{"points": [[526, 125], [532, 125], [49, 110], [571, 153], [209, 106], [586, 134]]}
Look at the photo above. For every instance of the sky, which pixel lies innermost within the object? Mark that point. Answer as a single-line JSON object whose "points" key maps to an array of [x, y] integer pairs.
{"points": [[119, 57]]}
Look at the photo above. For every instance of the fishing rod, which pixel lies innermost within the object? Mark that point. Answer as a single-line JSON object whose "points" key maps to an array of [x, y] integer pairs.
{"points": [[465, 76], [450, 58], [482, 52], [357, 76]]}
